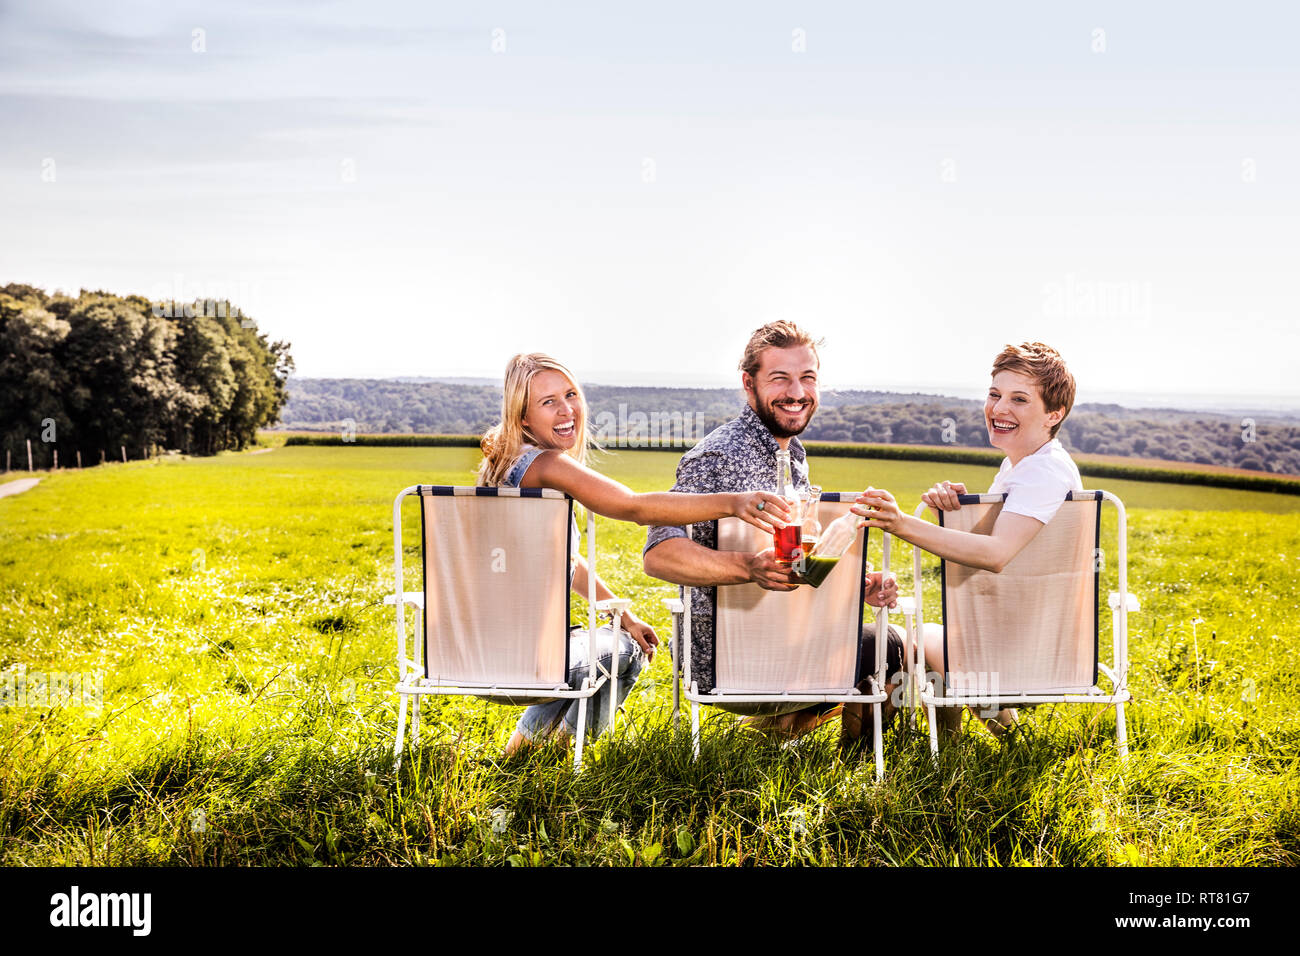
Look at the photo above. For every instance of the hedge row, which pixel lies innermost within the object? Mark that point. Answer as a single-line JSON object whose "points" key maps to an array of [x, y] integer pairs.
{"points": [[1179, 476], [334, 438], [964, 456]]}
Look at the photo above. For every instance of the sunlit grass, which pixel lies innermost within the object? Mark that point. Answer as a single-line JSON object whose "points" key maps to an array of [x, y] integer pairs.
{"points": [[233, 607]]}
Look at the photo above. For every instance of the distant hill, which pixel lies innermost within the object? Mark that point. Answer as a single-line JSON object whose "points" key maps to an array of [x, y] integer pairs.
{"points": [[446, 406]]}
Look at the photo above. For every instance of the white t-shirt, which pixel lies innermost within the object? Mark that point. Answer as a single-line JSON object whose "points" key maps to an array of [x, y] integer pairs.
{"points": [[1037, 486]]}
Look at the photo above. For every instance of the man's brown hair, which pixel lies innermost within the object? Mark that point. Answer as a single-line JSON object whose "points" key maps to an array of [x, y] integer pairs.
{"points": [[775, 335], [1045, 366]]}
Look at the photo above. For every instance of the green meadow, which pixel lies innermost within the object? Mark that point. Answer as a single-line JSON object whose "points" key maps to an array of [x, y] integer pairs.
{"points": [[232, 610]]}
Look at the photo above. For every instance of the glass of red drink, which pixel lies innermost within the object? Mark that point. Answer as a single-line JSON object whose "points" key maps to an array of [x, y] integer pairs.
{"points": [[788, 539]]}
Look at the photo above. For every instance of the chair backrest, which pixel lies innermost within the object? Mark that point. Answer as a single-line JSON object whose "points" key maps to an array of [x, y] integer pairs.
{"points": [[496, 585], [1032, 628], [802, 641]]}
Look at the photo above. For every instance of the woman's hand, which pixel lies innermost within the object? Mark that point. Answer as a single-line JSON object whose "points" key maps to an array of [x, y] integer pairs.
{"points": [[880, 589], [642, 633], [764, 510], [943, 496], [879, 509]]}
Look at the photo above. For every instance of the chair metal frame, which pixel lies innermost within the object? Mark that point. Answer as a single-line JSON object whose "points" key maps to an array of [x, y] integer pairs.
{"points": [[681, 642], [413, 684], [933, 694]]}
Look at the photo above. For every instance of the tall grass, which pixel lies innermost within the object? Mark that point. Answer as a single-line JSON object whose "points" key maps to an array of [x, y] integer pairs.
{"points": [[234, 608]]}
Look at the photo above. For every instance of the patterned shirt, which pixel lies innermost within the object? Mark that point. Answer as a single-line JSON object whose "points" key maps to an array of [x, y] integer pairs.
{"points": [[737, 456]]}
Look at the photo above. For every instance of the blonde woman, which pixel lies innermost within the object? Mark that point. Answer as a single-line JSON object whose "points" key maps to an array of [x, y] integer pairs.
{"points": [[542, 442]]}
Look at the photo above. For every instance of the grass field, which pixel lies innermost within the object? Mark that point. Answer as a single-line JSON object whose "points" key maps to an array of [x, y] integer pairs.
{"points": [[233, 608]]}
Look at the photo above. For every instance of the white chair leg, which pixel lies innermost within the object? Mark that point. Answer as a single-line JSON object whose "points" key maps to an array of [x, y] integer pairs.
{"points": [[613, 689], [908, 671], [582, 734], [401, 732], [1121, 731], [674, 650], [695, 729], [878, 740], [911, 679], [415, 721], [934, 730]]}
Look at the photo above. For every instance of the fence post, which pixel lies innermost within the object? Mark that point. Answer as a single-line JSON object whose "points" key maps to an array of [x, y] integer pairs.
{"points": [[78, 459], [29, 454], [123, 447]]}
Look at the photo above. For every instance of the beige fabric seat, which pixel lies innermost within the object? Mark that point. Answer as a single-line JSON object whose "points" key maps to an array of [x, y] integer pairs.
{"points": [[1029, 634], [492, 619], [775, 647]]}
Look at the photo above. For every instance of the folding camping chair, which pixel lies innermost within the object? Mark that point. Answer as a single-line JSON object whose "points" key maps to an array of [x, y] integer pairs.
{"points": [[1029, 634], [785, 646], [493, 618]]}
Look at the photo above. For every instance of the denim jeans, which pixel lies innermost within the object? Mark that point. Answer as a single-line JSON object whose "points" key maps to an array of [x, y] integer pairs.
{"points": [[539, 720]]}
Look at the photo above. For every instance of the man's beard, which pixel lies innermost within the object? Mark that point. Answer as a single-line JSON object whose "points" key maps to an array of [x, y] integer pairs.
{"points": [[767, 415]]}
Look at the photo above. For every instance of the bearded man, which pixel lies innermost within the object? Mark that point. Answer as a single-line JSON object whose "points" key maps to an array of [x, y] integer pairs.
{"points": [[779, 375]]}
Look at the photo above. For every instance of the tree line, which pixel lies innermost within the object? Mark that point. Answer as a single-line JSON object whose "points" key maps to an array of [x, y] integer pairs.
{"points": [[98, 372], [667, 414]]}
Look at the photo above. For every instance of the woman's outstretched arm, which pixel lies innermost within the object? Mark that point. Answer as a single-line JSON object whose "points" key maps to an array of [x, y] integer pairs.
{"points": [[607, 497], [991, 552]]}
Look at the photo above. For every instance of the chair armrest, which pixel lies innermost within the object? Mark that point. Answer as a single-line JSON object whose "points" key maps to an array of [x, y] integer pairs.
{"points": [[614, 605], [906, 606], [409, 598], [1133, 603], [674, 605]]}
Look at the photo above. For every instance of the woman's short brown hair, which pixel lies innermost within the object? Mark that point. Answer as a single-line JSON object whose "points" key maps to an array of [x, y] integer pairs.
{"points": [[1045, 366], [774, 335]]}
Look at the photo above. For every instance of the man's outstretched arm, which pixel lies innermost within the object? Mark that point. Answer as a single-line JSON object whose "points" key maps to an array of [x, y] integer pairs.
{"points": [[672, 556]]}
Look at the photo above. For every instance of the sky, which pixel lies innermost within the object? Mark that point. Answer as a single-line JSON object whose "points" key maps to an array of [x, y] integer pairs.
{"points": [[407, 189]]}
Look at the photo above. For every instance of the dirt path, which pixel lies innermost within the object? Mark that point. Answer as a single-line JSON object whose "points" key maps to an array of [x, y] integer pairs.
{"points": [[17, 487]]}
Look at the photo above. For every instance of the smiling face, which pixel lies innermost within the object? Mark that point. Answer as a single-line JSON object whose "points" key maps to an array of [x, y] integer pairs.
{"points": [[783, 391], [553, 413], [1018, 422]]}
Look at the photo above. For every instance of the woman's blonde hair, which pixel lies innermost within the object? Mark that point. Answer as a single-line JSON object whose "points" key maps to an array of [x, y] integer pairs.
{"points": [[503, 443]]}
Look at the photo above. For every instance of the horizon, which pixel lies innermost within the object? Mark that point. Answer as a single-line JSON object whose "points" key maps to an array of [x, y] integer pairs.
{"points": [[1223, 402]]}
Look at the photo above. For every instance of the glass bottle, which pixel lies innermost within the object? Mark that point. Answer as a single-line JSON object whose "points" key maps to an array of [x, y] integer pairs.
{"points": [[811, 528], [831, 546], [787, 539]]}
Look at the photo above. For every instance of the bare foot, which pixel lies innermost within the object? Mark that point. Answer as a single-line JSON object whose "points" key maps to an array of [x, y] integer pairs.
{"points": [[790, 726], [557, 738], [855, 723], [999, 725]]}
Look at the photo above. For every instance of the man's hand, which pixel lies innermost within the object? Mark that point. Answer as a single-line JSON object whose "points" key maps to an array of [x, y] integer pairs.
{"points": [[766, 572], [882, 589]]}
